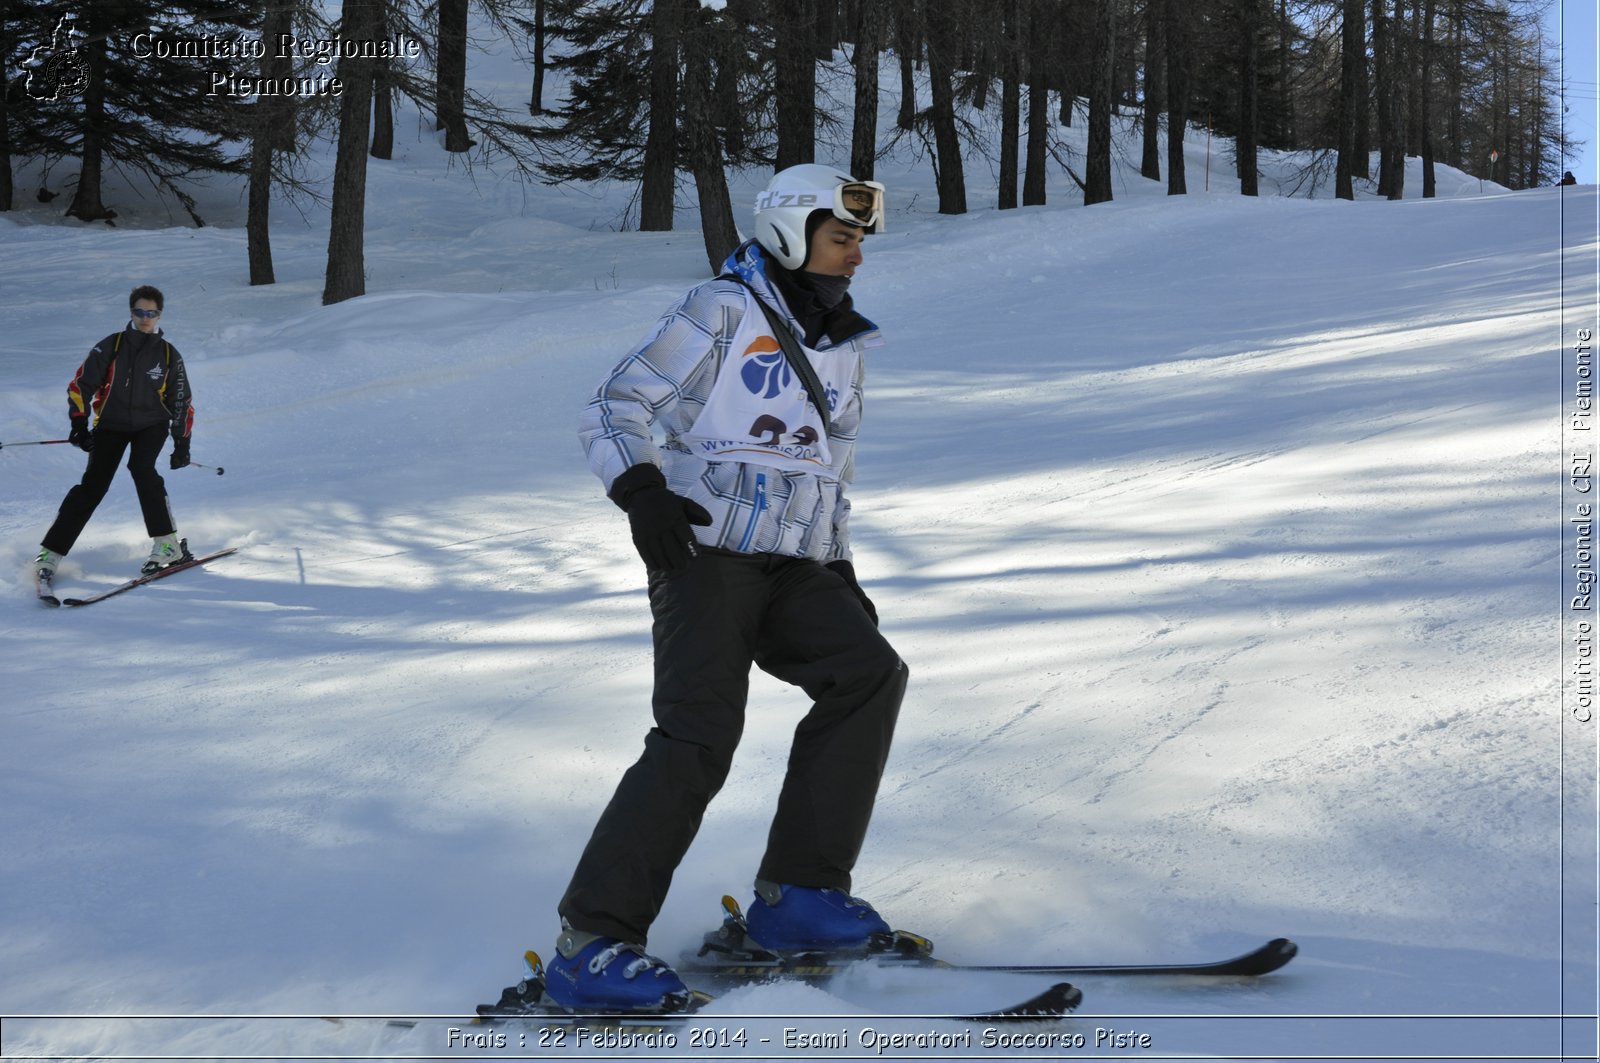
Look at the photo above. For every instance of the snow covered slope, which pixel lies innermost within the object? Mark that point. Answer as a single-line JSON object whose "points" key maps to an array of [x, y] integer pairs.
{"points": [[1220, 536]]}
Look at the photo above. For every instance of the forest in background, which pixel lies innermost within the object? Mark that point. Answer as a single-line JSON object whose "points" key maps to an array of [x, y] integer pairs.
{"points": [[672, 93]]}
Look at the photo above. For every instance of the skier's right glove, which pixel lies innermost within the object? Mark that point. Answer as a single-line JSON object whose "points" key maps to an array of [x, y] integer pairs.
{"points": [[80, 436], [660, 520]]}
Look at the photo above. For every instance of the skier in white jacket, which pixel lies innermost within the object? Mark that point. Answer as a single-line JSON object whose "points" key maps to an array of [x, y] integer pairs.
{"points": [[733, 470]]}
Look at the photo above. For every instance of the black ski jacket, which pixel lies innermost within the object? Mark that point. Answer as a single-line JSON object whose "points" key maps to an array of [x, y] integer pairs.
{"points": [[132, 380]]}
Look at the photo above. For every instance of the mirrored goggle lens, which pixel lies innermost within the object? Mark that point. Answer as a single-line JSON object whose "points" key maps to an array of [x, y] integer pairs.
{"points": [[861, 202]]}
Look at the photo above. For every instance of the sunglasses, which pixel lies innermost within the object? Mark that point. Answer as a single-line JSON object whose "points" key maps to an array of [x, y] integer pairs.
{"points": [[860, 203], [147, 314]]}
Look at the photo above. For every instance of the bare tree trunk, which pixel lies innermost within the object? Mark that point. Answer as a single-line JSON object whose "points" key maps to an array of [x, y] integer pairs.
{"points": [[258, 239], [700, 40], [1382, 90], [382, 97], [796, 78], [1010, 101], [1288, 136], [1353, 55], [452, 75], [864, 128], [1534, 154], [1249, 97], [660, 144], [981, 63], [1399, 64], [270, 113], [1404, 74], [536, 98], [1155, 88], [1033, 178], [728, 102], [909, 42], [1066, 74], [1362, 157], [1425, 103], [825, 19], [1503, 141], [1178, 45], [1097, 175], [950, 176], [1457, 155], [86, 201], [382, 112], [346, 273]]}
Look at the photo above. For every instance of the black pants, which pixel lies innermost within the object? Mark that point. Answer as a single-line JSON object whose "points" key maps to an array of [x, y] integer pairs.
{"points": [[80, 503], [800, 622]]}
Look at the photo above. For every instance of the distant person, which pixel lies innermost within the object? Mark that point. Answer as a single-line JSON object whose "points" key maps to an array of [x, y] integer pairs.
{"points": [[1568, 179], [739, 512], [134, 385]]}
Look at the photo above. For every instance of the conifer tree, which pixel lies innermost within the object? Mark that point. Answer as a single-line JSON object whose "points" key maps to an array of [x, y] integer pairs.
{"points": [[137, 110]]}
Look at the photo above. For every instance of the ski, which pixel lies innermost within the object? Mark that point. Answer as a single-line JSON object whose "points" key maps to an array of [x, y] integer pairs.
{"points": [[1253, 964], [527, 1001], [158, 574], [727, 953]]}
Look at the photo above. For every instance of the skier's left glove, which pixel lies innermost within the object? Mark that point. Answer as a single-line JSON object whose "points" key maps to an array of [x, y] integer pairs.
{"points": [[180, 452], [848, 571]]}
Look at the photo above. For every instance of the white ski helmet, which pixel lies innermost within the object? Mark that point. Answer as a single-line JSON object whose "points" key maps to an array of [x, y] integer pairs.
{"points": [[795, 193]]}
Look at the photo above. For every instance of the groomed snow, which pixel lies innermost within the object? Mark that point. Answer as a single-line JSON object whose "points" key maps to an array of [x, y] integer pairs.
{"points": [[1222, 537]]}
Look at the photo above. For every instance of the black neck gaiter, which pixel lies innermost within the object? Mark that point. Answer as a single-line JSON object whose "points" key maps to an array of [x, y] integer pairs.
{"points": [[813, 298]]}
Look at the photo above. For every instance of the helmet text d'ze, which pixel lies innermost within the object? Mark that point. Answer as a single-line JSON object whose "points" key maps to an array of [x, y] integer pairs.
{"points": [[795, 193]]}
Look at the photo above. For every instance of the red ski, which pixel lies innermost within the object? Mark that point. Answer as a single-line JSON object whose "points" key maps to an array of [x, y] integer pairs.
{"points": [[158, 574]]}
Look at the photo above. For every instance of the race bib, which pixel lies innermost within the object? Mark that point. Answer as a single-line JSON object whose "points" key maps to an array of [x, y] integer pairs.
{"points": [[758, 411]]}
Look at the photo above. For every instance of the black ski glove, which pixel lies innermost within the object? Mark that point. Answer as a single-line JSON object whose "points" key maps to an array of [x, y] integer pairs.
{"points": [[180, 453], [80, 436], [848, 571], [660, 520]]}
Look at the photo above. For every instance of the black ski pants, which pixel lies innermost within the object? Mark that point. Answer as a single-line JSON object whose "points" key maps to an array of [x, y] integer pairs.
{"points": [[799, 621], [144, 446]]}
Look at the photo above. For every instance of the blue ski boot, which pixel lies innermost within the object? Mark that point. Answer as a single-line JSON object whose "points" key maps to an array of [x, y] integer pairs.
{"points": [[805, 918], [590, 974]]}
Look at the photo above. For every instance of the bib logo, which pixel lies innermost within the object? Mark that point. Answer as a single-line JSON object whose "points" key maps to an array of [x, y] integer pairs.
{"points": [[57, 69], [764, 372]]}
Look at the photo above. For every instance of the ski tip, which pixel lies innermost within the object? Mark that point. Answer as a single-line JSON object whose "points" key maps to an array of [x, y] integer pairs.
{"points": [[1069, 995], [1268, 958], [1281, 951], [1054, 1003]]}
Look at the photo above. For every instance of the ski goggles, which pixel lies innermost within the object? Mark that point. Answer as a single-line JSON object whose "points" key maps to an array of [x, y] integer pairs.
{"points": [[860, 203], [146, 314]]}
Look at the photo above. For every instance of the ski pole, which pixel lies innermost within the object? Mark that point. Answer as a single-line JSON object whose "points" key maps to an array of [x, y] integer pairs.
{"points": [[214, 468], [36, 443]]}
